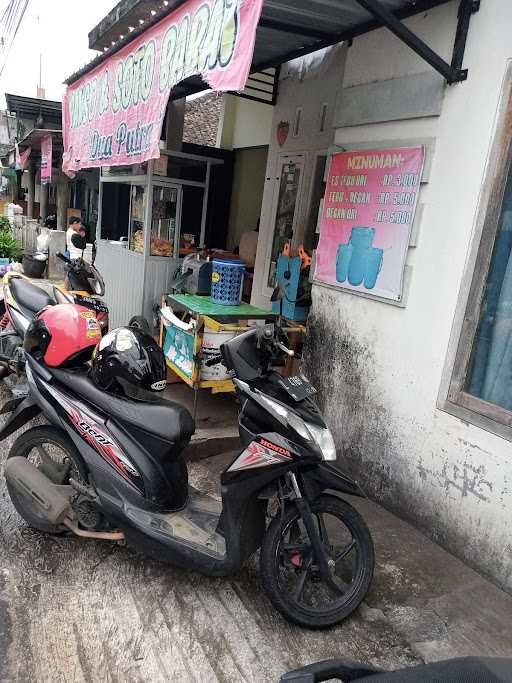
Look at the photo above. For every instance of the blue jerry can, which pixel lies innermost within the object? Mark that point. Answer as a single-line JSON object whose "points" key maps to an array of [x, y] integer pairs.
{"points": [[374, 261], [343, 257]]}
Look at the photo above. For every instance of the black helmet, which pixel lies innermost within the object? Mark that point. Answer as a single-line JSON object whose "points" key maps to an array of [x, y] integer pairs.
{"points": [[126, 360]]}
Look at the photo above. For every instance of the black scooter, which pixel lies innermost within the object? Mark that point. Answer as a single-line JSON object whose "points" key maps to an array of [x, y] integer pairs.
{"points": [[108, 467], [467, 669]]}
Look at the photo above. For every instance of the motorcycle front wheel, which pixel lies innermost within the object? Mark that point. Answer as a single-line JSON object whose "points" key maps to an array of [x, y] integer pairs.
{"points": [[290, 571]]}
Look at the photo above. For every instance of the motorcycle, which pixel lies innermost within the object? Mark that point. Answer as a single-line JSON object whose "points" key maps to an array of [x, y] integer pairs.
{"points": [[22, 300], [467, 669], [110, 467], [83, 285]]}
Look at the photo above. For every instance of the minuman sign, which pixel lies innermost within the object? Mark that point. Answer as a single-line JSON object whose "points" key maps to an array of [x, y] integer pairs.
{"points": [[113, 115]]}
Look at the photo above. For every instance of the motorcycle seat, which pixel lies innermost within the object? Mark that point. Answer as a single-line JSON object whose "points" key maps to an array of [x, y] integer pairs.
{"points": [[29, 296], [162, 418]]}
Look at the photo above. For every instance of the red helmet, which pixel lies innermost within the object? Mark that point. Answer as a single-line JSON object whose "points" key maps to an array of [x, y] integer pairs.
{"points": [[63, 334]]}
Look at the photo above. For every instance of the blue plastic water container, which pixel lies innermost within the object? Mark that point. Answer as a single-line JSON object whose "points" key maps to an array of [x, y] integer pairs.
{"points": [[343, 257], [374, 260], [361, 237], [227, 281]]}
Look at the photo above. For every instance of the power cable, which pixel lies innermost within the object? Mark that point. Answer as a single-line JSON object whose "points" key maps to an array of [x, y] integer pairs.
{"points": [[20, 7]]}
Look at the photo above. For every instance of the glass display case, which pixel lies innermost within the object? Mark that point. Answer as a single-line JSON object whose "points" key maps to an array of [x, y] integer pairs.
{"points": [[140, 237], [165, 217], [136, 218]]}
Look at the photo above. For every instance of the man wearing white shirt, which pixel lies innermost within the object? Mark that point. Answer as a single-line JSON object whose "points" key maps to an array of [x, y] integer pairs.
{"points": [[75, 238]]}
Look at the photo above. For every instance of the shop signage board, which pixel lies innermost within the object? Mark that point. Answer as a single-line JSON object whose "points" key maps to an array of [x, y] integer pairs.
{"points": [[113, 115], [46, 159], [367, 213]]}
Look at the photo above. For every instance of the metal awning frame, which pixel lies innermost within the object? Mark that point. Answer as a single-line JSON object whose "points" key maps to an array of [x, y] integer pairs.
{"points": [[381, 17], [453, 73]]}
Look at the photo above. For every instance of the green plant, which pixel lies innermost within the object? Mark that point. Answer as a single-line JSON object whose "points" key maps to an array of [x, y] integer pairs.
{"points": [[5, 223], [9, 247]]}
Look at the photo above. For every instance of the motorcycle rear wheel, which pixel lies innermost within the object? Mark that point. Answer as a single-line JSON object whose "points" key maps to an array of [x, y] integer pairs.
{"points": [[50, 450], [290, 572]]}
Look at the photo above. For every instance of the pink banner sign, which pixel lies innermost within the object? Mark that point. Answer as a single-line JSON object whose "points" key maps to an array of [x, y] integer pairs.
{"points": [[22, 158], [367, 213], [46, 159], [113, 115]]}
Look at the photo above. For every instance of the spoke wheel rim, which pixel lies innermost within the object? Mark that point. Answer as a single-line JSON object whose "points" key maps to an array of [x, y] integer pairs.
{"points": [[306, 568]]}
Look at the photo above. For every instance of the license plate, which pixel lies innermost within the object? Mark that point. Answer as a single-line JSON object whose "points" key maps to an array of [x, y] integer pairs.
{"points": [[298, 387]]}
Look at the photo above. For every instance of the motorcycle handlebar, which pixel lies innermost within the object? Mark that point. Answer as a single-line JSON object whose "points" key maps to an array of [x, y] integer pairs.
{"points": [[268, 336], [62, 257]]}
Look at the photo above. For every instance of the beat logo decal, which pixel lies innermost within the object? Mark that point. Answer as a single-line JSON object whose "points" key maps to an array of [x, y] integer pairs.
{"points": [[261, 454], [99, 440]]}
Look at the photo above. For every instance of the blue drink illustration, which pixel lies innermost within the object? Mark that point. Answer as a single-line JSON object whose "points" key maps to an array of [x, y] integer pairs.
{"points": [[374, 260], [361, 237], [357, 265], [343, 261]]}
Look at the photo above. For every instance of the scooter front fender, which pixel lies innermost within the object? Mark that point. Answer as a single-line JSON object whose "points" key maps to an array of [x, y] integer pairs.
{"points": [[25, 411], [326, 476]]}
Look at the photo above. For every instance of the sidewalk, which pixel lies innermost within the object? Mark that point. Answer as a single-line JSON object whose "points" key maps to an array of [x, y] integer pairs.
{"points": [[84, 611]]}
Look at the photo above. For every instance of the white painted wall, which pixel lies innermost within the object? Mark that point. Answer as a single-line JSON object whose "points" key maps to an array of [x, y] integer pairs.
{"points": [[383, 364], [245, 123], [309, 89]]}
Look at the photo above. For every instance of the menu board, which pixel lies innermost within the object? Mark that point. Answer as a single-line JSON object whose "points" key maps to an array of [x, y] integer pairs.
{"points": [[367, 213]]}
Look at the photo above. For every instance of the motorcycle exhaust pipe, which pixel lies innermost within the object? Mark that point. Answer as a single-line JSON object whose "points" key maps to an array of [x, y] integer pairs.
{"points": [[48, 498], [30, 482], [98, 535]]}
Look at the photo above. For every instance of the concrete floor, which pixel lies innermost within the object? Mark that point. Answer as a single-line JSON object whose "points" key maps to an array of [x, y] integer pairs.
{"points": [[73, 610]]}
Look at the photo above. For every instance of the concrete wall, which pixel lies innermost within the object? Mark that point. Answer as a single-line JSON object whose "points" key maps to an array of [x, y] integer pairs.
{"points": [[380, 366], [244, 123], [305, 83], [247, 193]]}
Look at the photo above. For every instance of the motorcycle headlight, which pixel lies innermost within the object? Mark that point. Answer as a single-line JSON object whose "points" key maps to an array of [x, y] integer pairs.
{"points": [[320, 436], [323, 438], [96, 286]]}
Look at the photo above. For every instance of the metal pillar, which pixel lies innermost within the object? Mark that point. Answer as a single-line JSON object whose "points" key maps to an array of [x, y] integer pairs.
{"points": [[205, 206]]}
